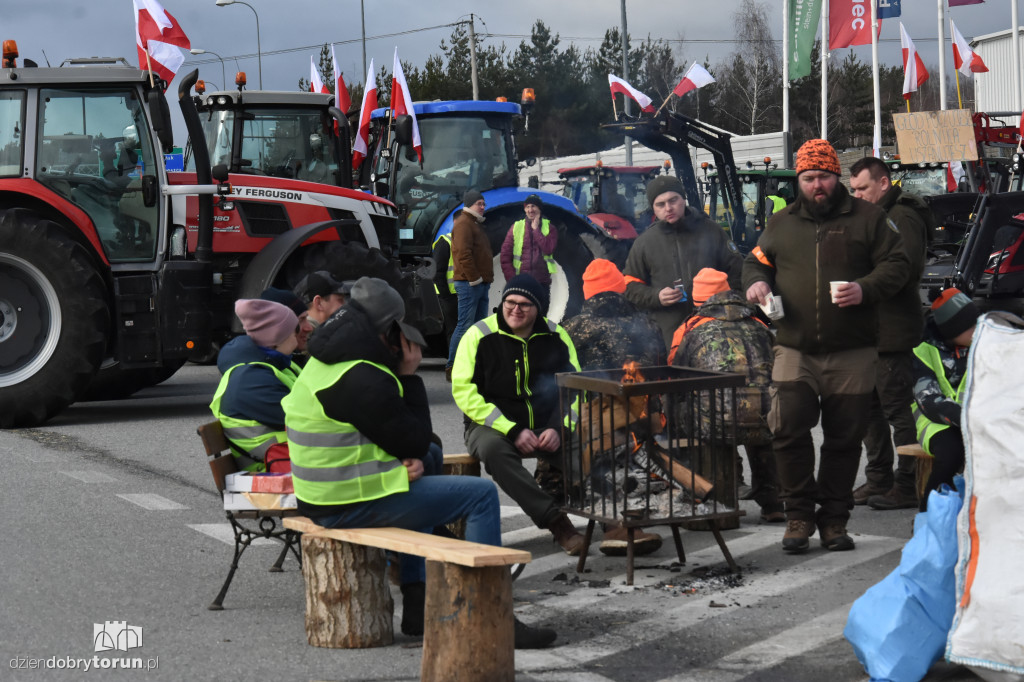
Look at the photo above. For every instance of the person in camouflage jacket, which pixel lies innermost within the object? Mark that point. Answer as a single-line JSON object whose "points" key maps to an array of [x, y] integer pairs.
{"points": [[724, 335]]}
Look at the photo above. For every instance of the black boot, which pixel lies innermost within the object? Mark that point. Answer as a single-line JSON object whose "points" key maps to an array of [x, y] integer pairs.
{"points": [[533, 638], [414, 596]]}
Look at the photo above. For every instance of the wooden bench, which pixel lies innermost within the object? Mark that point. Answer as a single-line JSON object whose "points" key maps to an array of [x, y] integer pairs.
{"points": [[924, 464], [222, 463], [468, 622]]}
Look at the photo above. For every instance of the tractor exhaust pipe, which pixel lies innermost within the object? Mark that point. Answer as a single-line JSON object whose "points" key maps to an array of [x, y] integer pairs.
{"points": [[204, 237]]}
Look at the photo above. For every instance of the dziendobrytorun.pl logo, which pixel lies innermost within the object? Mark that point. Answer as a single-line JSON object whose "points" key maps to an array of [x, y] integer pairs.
{"points": [[111, 635]]}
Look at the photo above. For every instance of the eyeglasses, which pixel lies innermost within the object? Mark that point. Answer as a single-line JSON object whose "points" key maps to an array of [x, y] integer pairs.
{"points": [[512, 305]]}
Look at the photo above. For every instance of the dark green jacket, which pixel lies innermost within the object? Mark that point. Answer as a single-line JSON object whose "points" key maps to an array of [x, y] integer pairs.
{"points": [[665, 253], [901, 318], [798, 256]]}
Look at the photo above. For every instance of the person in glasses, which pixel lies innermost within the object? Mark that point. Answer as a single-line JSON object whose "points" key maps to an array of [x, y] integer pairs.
{"points": [[503, 380]]}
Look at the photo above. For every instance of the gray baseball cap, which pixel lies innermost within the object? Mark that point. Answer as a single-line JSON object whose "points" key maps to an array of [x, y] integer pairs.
{"points": [[384, 305]]}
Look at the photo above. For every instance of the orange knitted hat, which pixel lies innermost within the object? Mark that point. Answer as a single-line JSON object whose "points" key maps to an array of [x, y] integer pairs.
{"points": [[600, 276], [709, 282], [817, 155]]}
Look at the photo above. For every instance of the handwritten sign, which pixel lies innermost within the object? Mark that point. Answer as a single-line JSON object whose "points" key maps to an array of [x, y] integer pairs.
{"points": [[930, 136]]}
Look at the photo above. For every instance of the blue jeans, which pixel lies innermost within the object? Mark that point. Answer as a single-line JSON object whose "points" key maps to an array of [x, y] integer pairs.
{"points": [[472, 309], [431, 501]]}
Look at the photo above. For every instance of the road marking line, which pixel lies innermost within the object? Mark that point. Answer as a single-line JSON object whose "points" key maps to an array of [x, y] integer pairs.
{"points": [[90, 476], [152, 502], [508, 512], [224, 533], [682, 614], [768, 653]]}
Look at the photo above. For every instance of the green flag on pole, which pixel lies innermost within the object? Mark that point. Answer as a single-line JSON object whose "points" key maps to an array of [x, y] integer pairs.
{"points": [[803, 26]]}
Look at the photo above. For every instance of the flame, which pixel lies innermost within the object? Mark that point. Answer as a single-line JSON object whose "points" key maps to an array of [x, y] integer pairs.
{"points": [[632, 373]]}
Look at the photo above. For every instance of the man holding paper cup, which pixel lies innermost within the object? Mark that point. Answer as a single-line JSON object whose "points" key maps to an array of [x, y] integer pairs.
{"points": [[827, 340]]}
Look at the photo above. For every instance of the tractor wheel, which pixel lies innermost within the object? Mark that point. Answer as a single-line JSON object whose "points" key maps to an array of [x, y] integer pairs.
{"points": [[114, 383], [53, 319]]}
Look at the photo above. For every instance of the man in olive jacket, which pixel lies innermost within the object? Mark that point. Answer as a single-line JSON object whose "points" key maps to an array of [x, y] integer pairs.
{"points": [[900, 321], [664, 260], [826, 344]]}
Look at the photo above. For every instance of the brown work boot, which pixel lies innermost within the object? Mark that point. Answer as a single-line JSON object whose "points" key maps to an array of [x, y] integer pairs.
{"points": [[861, 494], [616, 542], [894, 499], [566, 535], [834, 537], [795, 539]]}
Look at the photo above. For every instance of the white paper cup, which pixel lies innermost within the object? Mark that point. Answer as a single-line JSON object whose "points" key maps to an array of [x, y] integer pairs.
{"points": [[772, 307], [833, 287]]}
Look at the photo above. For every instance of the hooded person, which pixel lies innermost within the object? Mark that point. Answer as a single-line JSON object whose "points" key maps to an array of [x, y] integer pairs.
{"points": [[940, 367], [529, 245], [361, 440], [257, 373], [504, 383], [664, 259], [608, 332]]}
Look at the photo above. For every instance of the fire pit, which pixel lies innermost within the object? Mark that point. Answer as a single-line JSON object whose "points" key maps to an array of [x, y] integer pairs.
{"points": [[651, 446]]}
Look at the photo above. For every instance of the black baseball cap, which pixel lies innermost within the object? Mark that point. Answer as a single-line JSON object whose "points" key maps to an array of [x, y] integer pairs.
{"points": [[322, 284]]}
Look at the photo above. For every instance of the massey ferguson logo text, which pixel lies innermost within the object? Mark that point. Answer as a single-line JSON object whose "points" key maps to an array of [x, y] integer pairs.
{"points": [[266, 193]]}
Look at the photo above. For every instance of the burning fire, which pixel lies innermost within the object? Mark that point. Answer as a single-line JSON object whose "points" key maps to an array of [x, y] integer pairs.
{"points": [[632, 373]]}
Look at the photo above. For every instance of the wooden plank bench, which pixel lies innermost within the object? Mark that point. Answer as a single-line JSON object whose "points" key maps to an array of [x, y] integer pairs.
{"points": [[468, 621], [222, 463], [924, 464]]}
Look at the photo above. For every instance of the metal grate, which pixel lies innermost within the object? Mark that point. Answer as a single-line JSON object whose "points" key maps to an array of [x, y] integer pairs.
{"points": [[651, 446]]}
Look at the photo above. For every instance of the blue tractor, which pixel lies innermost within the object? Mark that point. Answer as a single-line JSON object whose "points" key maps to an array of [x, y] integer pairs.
{"points": [[471, 144]]}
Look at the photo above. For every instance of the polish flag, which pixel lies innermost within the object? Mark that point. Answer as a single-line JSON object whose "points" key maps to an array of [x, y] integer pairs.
{"points": [[360, 146], [620, 86], [158, 34], [954, 174], [401, 103], [316, 84], [696, 77], [914, 73], [341, 97], [965, 60]]}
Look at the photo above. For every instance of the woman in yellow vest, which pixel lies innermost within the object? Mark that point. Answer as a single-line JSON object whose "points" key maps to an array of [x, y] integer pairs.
{"points": [[530, 245], [257, 373], [940, 365]]}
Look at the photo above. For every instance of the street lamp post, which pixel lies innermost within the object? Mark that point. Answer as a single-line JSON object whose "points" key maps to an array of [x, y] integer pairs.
{"points": [[259, 52], [223, 73]]}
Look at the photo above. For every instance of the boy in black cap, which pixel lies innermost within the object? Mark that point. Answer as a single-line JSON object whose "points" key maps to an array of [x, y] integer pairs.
{"points": [[322, 294], [504, 382], [530, 251], [940, 365]]}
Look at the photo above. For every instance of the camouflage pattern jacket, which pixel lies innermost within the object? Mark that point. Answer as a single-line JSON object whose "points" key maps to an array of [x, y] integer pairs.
{"points": [[610, 331]]}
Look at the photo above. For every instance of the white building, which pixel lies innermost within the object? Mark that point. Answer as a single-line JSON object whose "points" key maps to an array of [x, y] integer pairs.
{"points": [[993, 90]]}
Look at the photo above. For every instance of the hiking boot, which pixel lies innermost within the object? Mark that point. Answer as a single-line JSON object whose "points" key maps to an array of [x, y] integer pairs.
{"points": [[616, 542], [769, 515], [414, 597], [796, 536], [893, 499], [835, 539], [566, 535], [448, 373], [861, 494], [527, 637]]}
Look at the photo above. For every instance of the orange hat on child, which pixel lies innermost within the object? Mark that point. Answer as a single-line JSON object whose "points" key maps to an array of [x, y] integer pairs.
{"points": [[600, 276], [709, 282]]}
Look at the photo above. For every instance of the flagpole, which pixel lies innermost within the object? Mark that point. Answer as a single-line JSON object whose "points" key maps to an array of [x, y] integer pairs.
{"points": [[659, 108], [824, 70], [785, 67], [149, 67], [942, 53], [875, 85], [959, 99], [1016, 56], [615, 109]]}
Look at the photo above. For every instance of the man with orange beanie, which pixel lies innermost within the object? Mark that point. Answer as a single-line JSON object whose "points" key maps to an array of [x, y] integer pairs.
{"points": [[608, 332], [832, 258], [724, 335]]}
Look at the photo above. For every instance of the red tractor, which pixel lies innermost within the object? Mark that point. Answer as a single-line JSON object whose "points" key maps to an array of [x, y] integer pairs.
{"points": [[107, 260]]}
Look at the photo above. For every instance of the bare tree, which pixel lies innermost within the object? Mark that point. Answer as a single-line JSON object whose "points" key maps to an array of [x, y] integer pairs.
{"points": [[751, 75]]}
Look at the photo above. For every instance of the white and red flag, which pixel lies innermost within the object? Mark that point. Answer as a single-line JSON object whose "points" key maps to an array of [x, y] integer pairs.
{"points": [[401, 103], [158, 35], [914, 73], [316, 83], [965, 60], [619, 86], [360, 146], [696, 77], [341, 97]]}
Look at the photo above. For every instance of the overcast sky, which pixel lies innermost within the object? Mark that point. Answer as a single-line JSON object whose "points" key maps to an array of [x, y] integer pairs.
{"points": [[75, 28]]}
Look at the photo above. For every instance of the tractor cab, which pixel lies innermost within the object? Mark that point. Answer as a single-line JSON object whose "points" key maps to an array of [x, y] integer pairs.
{"points": [[613, 197], [763, 191]]}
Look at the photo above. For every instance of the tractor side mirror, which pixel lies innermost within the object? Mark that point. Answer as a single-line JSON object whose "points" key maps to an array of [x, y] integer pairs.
{"points": [[149, 193], [160, 114], [403, 129]]}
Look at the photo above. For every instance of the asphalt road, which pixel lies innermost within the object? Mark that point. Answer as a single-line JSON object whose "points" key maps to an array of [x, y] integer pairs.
{"points": [[111, 516]]}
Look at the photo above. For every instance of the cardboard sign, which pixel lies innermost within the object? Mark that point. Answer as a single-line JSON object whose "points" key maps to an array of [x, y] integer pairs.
{"points": [[930, 136]]}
